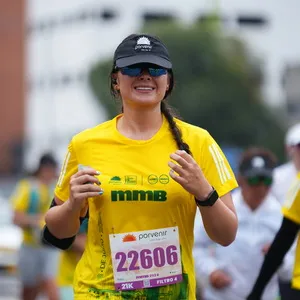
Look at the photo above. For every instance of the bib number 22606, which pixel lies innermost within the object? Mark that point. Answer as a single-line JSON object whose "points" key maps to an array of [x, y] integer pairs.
{"points": [[146, 258]]}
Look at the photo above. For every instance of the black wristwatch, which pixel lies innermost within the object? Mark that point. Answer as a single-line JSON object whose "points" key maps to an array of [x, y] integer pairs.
{"points": [[210, 200]]}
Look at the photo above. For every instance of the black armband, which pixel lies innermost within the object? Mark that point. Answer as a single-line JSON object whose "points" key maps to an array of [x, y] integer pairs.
{"points": [[49, 239], [274, 257]]}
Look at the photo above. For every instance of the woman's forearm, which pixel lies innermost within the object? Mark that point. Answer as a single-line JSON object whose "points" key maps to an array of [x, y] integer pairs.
{"points": [[62, 222], [220, 222], [79, 243]]}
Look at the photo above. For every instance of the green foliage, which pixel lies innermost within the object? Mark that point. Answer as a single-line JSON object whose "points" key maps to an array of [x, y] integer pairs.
{"points": [[100, 84], [217, 86]]}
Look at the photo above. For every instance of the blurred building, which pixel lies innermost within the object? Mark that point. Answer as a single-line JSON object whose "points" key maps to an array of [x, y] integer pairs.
{"points": [[11, 84], [291, 80], [65, 38]]}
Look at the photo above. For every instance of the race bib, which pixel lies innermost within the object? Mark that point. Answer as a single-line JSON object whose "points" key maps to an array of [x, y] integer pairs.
{"points": [[146, 259]]}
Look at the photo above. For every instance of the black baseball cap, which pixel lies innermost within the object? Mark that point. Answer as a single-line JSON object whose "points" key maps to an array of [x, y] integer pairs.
{"points": [[257, 165], [142, 48], [47, 159]]}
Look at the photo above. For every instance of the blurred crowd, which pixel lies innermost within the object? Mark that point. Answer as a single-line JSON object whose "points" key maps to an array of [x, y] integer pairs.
{"points": [[229, 273], [223, 273], [43, 269]]}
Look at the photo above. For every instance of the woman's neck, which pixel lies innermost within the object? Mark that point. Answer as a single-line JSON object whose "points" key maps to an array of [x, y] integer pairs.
{"points": [[140, 125]]}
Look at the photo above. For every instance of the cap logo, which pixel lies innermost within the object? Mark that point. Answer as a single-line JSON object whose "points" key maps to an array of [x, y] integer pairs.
{"points": [[143, 41], [258, 162], [143, 44]]}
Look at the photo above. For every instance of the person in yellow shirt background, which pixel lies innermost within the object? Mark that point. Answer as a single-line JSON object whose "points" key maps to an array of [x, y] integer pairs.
{"points": [[68, 261], [30, 200]]}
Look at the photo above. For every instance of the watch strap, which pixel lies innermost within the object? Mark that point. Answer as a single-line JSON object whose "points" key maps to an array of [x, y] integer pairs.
{"points": [[210, 200]]}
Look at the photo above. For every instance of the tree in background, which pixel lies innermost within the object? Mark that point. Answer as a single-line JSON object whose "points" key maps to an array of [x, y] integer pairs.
{"points": [[217, 86]]}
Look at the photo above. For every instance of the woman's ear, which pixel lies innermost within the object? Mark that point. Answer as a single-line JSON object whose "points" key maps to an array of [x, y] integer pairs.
{"points": [[114, 80]]}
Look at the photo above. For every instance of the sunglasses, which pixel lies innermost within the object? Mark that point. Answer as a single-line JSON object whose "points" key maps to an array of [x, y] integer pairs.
{"points": [[256, 180], [137, 71]]}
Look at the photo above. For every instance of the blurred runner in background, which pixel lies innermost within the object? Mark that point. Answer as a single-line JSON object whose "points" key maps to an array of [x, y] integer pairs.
{"points": [[288, 232], [283, 175], [31, 200]]}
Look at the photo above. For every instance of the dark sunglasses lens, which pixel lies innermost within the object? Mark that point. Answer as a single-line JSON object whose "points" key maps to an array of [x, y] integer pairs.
{"points": [[253, 180], [155, 72], [267, 181], [132, 72]]}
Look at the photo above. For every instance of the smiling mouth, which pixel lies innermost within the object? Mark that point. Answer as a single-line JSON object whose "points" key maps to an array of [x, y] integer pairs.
{"points": [[144, 88]]}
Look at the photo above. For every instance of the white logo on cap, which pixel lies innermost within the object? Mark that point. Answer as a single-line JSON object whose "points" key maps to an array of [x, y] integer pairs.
{"points": [[143, 41], [258, 162], [143, 44]]}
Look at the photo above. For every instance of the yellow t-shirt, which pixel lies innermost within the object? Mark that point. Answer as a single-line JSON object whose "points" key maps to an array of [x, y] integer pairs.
{"points": [[66, 267], [291, 210], [128, 167], [32, 198]]}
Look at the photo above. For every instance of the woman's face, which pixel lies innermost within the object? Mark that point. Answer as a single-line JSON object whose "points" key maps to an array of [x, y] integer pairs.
{"points": [[144, 89]]}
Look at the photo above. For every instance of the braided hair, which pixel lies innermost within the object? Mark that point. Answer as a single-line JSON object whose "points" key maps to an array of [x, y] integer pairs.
{"points": [[175, 130]]}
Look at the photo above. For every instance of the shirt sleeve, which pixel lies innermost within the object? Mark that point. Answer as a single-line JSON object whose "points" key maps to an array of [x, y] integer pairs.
{"points": [[291, 206], [216, 168], [285, 271], [69, 168], [20, 197]]}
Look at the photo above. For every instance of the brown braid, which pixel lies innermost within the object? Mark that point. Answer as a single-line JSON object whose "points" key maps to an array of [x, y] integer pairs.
{"points": [[176, 132]]}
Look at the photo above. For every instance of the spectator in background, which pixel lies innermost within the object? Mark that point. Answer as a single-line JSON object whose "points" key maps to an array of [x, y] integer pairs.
{"points": [[288, 231], [229, 273], [68, 262], [285, 173], [31, 200]]}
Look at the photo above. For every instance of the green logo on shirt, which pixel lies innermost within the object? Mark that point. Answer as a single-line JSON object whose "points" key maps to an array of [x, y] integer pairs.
{"points": [[115, 180], [139, 195]]}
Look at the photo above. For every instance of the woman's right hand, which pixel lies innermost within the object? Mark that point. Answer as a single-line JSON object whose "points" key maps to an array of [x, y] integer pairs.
{"points": [[83, 185]]}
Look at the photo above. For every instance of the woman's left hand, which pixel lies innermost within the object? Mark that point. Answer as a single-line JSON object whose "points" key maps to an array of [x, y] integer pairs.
{"points": [[188, 174]]}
